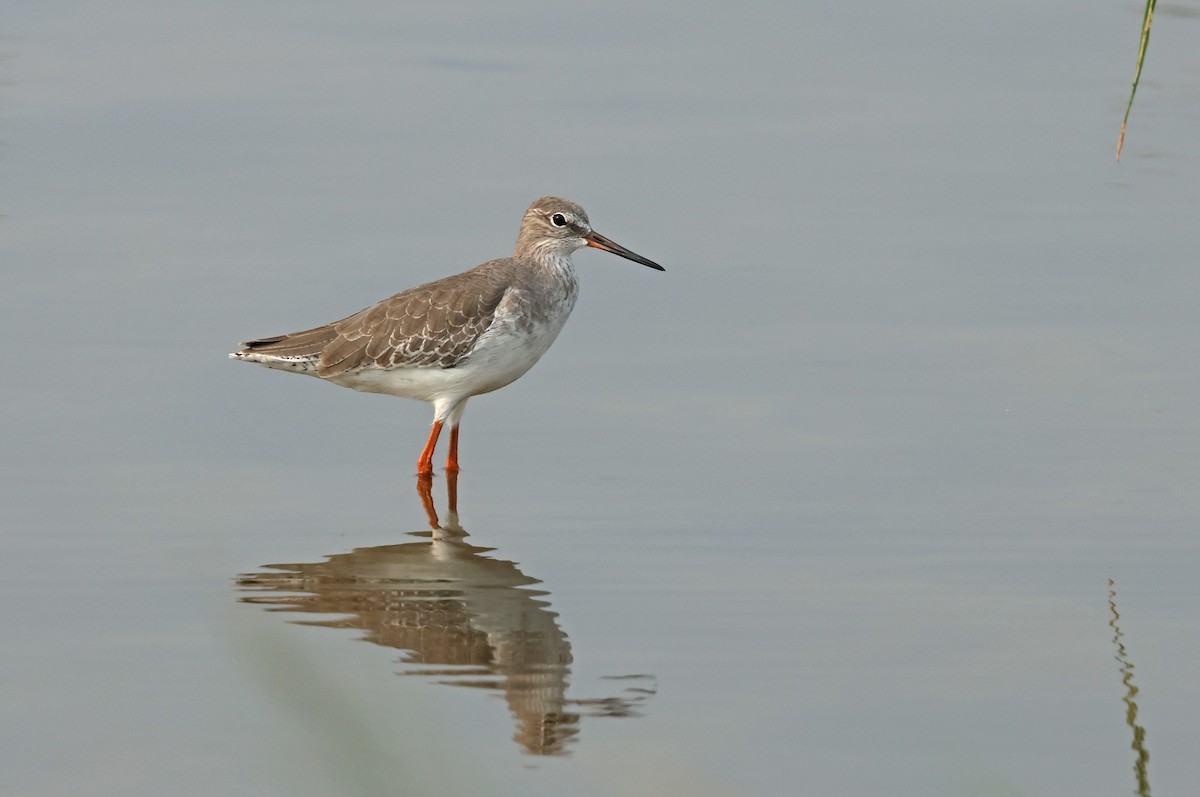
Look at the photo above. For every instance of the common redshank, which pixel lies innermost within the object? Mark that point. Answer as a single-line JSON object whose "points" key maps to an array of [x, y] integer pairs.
{"points": [[458, 337]]}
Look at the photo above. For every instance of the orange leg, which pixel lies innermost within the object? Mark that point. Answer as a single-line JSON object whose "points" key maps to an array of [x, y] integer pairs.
{"points": [[425, 463], [452, 460], [452, 490]]}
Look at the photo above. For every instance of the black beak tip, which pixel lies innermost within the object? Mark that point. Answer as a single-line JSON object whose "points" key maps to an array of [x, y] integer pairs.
{"points": [[595, 239]]}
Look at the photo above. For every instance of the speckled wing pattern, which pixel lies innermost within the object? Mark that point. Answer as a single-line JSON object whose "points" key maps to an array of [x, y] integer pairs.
{"points": [[434, 325]]}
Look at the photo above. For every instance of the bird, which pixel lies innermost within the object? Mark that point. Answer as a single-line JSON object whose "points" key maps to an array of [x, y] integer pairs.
{"points": [[457, 337]]}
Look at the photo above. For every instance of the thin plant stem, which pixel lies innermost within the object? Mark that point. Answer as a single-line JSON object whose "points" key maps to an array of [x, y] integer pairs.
{"points": [[1137, 72]]}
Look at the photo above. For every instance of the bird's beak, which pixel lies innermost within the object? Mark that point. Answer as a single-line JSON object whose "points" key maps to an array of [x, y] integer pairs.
{"points": [[598, 241]]}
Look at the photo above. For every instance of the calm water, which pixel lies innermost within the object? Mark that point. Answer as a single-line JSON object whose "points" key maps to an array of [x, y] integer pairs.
{"points": [[888, 485]]}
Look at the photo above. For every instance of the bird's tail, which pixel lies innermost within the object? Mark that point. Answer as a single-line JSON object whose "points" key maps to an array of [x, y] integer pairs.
{"points": [[298, 351]]}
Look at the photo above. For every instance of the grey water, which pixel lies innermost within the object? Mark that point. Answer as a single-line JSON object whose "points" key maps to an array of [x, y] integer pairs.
{"points": [[888, 485]]}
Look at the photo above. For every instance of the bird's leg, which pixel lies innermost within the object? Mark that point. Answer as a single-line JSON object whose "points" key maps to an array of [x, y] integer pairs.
{"points": [[425, 463], [452, 459], [452, 492]]}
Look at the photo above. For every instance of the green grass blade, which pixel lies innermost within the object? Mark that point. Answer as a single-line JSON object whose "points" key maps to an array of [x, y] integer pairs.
{"points": [[1137, 72]]}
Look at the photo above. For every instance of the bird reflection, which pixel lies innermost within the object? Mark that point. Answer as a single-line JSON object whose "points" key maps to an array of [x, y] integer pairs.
{"points": [[1131, 692], [462, 618]]}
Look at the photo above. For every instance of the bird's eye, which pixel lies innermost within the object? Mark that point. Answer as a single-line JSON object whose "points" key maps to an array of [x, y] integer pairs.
{"points": [[558, 220]]}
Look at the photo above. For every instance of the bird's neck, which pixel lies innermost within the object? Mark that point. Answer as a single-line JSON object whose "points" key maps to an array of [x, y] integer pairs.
{"points": [[557, 263], [555, 280], [550, 259]]}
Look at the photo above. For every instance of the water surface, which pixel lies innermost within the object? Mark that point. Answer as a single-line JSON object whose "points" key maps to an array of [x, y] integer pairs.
{"points": [[842, 503]]}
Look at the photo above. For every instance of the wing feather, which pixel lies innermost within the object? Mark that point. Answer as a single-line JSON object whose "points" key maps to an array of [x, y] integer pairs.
{"points": [[433, 325]]}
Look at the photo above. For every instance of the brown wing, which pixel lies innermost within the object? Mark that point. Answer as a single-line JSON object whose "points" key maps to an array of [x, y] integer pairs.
{"points": [[436, 324]]}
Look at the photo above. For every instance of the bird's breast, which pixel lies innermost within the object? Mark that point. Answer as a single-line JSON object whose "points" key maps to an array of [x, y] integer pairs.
{"points": [[527, 322]]}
